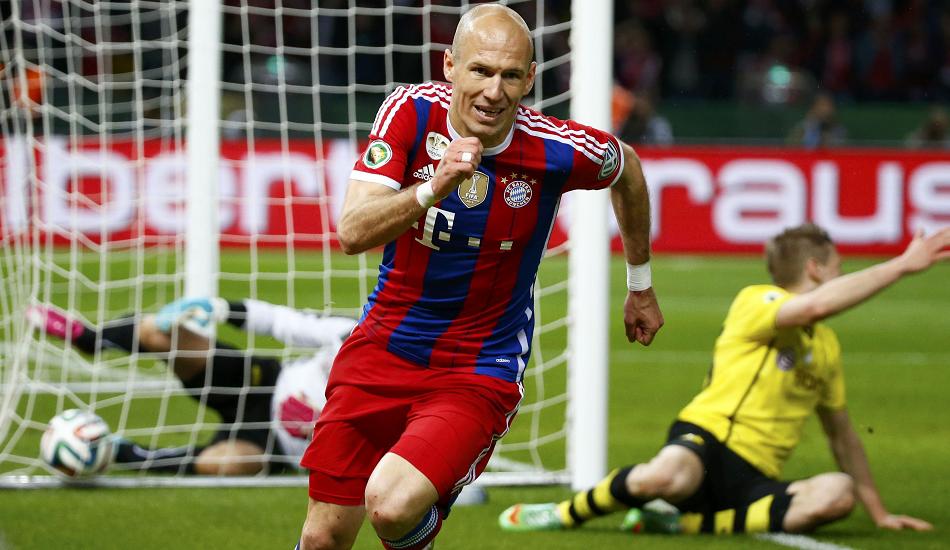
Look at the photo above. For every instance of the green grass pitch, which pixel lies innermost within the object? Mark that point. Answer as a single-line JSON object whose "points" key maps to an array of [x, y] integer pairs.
{"points": [[897, 358]]}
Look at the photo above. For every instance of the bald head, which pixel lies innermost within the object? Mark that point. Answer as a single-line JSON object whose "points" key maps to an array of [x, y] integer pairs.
{"points": [[490, 69], [491, 22]]}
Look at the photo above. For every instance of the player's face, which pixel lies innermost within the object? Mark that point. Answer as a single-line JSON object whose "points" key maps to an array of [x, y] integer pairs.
{"points": [[490, 73]]}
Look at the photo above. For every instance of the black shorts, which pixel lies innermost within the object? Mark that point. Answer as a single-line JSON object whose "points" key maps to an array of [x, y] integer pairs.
{"points": [[730, 481], [239, 387]]}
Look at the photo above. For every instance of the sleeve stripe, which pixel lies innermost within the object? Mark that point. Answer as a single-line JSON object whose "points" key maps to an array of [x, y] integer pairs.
{"points": [[542, 121], [580, 140], [430, 92], [435, 93], [388, 109], [392, 113], [597, 159], [375, 178]]}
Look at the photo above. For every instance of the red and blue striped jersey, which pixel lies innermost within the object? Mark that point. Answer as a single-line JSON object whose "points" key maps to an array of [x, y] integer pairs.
{"points": [[456, 289]]}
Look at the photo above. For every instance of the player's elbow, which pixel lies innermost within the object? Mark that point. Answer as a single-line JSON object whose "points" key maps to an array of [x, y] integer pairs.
{"points": [[349, 239], [348, 246], [630, 157], [631, 160], [631, 182]]}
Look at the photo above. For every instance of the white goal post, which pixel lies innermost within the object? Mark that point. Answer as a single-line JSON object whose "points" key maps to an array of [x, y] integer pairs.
{"points": [[152, 151]]}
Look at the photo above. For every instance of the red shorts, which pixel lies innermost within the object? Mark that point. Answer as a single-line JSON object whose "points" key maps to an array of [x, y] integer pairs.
{"points": [[444, 422]]}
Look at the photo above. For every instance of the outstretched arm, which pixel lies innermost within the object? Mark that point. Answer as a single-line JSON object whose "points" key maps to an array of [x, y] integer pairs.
{"points": [[849, 454], [291, 326], [374, 214], [631, 202], [294, 327], [846, 291]]}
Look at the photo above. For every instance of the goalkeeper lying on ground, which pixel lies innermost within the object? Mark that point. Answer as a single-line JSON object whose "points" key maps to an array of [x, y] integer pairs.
{"points": [[773, 364], [274, 417]]}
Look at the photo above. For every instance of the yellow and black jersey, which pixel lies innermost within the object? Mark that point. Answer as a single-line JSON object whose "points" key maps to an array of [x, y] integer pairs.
{"points": [[765, 381]]}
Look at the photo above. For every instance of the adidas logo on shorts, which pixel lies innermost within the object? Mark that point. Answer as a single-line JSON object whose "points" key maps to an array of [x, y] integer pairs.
{"points": [[425, 173]]}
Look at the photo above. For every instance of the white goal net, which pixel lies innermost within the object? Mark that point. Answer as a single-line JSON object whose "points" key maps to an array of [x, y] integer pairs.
{"points": [[96, 115]]}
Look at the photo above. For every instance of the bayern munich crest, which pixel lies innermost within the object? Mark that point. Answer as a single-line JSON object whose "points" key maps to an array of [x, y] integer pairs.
{"points": [[518, 193]]}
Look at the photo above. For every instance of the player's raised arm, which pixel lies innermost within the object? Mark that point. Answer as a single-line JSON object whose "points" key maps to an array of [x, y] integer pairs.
{"points": [[836, 294], [375, 214], [631, 202]]}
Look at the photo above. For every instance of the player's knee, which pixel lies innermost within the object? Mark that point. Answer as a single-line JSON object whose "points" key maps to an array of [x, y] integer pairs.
{"points": [[673, 475], [839, 496], [828, 497], [315, 537], [650, 483], [391, 514], [657, 482]]}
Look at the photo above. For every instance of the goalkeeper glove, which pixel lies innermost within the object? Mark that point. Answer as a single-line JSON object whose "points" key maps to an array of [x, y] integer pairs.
{"points": [[297, 416], [198, 315]]}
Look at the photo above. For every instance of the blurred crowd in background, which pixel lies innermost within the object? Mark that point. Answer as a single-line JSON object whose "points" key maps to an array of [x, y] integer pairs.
{"points": [[815, 55], [761, 50], [779, 50], [823, 52]]}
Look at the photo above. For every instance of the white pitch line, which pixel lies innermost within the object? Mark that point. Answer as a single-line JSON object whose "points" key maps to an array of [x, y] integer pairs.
{"points": [[800, 541]]}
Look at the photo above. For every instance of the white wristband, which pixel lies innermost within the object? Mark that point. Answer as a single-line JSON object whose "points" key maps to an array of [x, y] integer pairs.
{"points": [[639, 277], [425, 195]]}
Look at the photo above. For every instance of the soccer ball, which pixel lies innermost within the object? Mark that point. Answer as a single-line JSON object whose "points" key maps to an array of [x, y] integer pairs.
{"points": [[77, 443]]}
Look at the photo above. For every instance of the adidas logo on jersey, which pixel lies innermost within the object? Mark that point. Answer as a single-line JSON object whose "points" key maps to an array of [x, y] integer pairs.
{"points": [[425, 173]]}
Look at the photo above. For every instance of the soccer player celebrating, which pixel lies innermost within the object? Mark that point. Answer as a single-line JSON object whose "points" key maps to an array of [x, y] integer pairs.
{"points": [[461, 184], [274, 417], [773, 364]]}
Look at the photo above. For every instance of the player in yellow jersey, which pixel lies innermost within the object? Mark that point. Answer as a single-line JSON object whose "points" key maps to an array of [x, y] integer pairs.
{"points": [[773, 365]]}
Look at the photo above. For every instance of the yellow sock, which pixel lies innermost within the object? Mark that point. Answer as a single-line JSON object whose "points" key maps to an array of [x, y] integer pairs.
{"points": [[592, 503]]}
